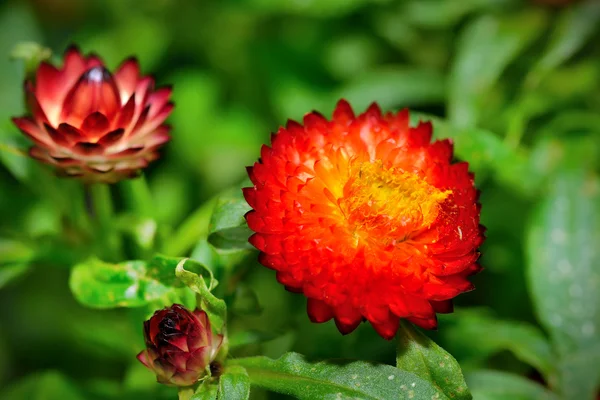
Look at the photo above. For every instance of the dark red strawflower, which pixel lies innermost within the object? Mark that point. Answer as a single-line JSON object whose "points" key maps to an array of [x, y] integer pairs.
{"points": [[366, 217], [89, 123], [179, 345]]}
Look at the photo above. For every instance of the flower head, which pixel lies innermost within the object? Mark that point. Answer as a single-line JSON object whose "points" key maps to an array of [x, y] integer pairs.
{"points": [[366, 217], [91, 124], [179, 345]]}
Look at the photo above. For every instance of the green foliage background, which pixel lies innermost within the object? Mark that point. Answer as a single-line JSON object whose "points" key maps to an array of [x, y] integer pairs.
{"points": [[514, 83]]}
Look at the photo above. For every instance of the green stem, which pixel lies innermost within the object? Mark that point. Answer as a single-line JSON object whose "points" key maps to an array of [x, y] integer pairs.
{"points": [[186, 393], [191, 230], [137, 196], [104, 217]]}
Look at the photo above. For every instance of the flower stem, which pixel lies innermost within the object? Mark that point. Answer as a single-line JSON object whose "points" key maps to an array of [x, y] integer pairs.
{"points": [[191, 230], [104, 217], [137, 196], [186, 393]]}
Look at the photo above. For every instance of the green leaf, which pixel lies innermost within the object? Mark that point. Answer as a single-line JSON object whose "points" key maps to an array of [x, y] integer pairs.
{"points": [[493, 335], [420, 355], [228, 228], [214, 307], [579, 376], [485, 48], [42, 386], [206, 391], [484, 150], [394, 87], [336, 379], [496, 385], [574, 28], [234, 384], [97, 284], [564, 261], [564, 274]]}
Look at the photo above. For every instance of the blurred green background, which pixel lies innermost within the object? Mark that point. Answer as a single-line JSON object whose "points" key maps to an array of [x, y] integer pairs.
{"points": [[516, 83]]}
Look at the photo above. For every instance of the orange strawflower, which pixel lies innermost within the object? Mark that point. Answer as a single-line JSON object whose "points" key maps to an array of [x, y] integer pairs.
{"points": [[366, 217], [91, 124]]}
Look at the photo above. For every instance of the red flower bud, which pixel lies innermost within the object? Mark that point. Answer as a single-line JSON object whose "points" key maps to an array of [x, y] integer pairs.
{"points": [[89, 123], [179, 345]]}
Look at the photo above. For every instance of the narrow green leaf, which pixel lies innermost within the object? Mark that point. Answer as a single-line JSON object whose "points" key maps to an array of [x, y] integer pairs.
{"points": [[574, 28], [228, 228], [97, 284], [496, 385], [485, 48], [423, 357], [336, 379], [214, 307], [234, 384], [493, 335]]}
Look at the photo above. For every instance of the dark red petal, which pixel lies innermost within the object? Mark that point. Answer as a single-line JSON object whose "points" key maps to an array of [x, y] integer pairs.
{"points": [[143, 357], [95, 91], [126, 113], [127, 77], [158, 100], [343, 113], [56, 136], [111, 137], [318, 311], [48, 83], [88, 149], [425, 323], [141, 120], [346, 328], [387, 329], [125, 153], [31, 129], [72, 133], [443, 307], [94, 125], [33, 104]]}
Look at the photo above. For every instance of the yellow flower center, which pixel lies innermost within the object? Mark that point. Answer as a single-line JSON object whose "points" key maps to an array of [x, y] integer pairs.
{"points": [[389, 204]]}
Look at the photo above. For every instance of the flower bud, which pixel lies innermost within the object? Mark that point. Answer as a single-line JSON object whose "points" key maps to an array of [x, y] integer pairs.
{"points": [[179, 345]]}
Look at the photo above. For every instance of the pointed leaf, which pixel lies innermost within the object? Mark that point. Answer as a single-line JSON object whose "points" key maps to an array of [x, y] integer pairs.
{"points": [[214, 307], [234, 384], [228, 228], [424, 358]]}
